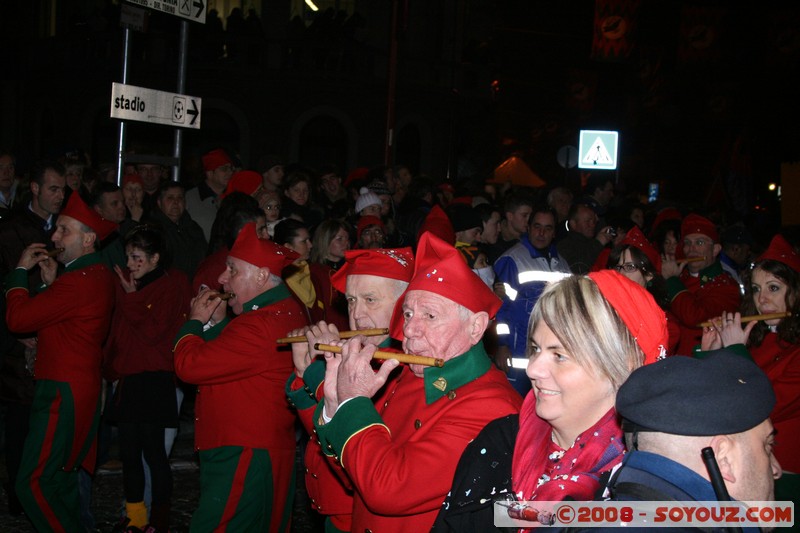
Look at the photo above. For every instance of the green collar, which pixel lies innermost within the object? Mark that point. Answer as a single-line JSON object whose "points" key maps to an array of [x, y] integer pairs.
{"points": [[84, 261], [275, 294], [710, 272], [456, 372]]}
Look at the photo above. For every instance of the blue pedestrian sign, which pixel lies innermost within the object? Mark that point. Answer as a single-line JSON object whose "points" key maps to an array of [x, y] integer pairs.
{"points": [[597, 150]]}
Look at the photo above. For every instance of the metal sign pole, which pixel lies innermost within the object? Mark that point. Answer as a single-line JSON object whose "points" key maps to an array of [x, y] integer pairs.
{"points": [[182, 58], [126, 41]]}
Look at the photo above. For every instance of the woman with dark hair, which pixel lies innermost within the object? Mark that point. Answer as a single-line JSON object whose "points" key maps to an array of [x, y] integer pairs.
{"points": [[297, 200], [151, 306], [772, 286], [637, 259], [310, 282]]}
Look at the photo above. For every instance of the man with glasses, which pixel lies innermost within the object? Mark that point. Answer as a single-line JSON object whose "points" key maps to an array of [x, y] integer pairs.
{"points": [[697, 287], [370, 233], [203, 201]]}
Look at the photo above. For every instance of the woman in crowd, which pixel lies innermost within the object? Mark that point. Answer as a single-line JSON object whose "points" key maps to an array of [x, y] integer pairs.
{"points": [[133, 192], [294, 235], [297, 201], [270, 203], [150, 308], [331, 241], [588, 333], [773, 287], [638, 260]]}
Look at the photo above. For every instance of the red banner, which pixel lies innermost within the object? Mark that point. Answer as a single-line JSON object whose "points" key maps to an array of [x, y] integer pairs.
{"points": [[614, 29]]}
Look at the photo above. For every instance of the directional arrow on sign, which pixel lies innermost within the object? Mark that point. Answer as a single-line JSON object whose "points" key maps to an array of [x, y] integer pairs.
{"points": [[194, 113], [199, 5]]}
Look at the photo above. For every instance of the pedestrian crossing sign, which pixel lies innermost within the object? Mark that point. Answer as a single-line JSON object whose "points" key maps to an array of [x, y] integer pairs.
{"points": [[598, 150]]}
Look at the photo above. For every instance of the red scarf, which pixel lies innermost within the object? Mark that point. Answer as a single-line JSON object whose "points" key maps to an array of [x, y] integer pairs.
{"points": [[543, 471]]}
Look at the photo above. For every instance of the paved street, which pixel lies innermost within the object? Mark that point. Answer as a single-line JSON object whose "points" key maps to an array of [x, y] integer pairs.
{"points": [[107, 495]]}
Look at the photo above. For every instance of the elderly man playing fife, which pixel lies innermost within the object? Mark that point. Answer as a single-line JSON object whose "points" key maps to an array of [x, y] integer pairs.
{"points": [[373, 282], [244, 428], [400, 448], [72, 317]]}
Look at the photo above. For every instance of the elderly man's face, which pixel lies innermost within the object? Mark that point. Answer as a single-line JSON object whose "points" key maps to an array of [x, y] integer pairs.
{"points": [[699, 245], [585, 222], [433, 326], [370, 303], [172, 203], [758, 466], [240, 278]]}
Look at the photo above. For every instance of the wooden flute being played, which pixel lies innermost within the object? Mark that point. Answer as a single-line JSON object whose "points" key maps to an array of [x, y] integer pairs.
{"points": [[342, 335], [691, 259], [751, 318], [222, 295], [54, 252], [407, 358]]}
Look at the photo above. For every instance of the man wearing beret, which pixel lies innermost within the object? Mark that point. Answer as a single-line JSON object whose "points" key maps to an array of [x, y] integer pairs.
{"points": [[203, 201], [699, 288], [244, 429], [399, 436], [71, 315], [666, 432], [373, 281]]}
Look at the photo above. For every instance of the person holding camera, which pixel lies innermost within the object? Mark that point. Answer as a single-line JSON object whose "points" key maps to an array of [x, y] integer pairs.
{"points": [[583, 243]]}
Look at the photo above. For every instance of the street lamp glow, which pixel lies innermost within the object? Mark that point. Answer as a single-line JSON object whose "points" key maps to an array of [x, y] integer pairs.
{"points": [[772, 186]]}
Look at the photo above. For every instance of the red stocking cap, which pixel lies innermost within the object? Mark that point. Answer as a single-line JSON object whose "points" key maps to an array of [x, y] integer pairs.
{"points": [[246, 181], [668, 213], [697, 224], [438, 224], [638, 310], [76, 208], [440, 269], [260, 252], [636, 238], [368, 220], [780, 250], [132, 178]]}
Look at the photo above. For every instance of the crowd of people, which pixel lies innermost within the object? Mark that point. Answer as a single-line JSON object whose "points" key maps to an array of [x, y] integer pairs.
{"points": [[443, 346]]}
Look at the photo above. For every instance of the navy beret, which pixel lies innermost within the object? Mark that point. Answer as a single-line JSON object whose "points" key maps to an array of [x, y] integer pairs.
{"points": [[722, 394]]}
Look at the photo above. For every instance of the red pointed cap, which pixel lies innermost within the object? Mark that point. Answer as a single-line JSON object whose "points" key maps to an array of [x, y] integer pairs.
{"points": [[392, 263], [260, 252], [638, 310], [780, 250], [246, 181], [636, 238], [76, 208], [441, 269], [697, 224], [438, 223]]}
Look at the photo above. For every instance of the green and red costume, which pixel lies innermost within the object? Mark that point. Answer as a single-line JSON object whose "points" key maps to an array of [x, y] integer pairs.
{"points": [[72, 318], [244, 428]]}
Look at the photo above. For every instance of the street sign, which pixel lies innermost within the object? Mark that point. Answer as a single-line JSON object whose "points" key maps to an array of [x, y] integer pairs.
{"points": [[129, 102], [194, 10], [597, 150]]}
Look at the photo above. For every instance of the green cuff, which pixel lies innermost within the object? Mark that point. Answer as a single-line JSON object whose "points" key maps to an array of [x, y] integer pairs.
{"points": [[302, 398], [674, 285], [17, 279], [739, 349], [314, 375], [213, 332], [190, 327], [353, 417]]}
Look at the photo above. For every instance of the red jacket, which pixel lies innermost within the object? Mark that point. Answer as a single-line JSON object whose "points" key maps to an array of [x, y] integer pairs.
{"points": [[781, 363], [697, 299], [71, 318], [401, 453], [144, 325], [242, 374]]}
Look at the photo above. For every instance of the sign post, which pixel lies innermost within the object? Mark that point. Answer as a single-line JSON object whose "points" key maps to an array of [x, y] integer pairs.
{"points": [[194, 10], [129, 102], [597, 150]]}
